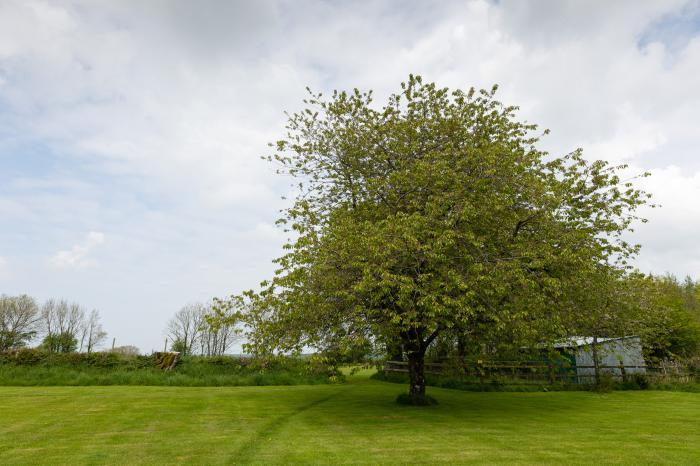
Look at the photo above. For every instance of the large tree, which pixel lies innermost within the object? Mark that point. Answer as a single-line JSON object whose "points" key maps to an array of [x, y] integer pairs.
{"points": [[433, 213]]}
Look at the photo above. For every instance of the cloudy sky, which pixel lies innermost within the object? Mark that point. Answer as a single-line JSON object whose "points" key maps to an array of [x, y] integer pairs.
{"points": [[130, 131]]}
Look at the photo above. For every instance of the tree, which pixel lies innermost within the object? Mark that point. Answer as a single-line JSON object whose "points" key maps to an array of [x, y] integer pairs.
{"points": [[668, 324], [219, 330], [19, 321], [207, 329], [432, 213], [92, 334], [62, 342], [62, 322], [186, 326]]}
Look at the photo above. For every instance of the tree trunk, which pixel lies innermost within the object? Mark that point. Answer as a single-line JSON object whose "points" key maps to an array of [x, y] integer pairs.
{"points": [[594, 353], [416, 372]]}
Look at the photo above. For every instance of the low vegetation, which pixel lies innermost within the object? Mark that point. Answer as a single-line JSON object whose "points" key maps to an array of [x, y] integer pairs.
{"points": [[35, 367], [503, 384]]}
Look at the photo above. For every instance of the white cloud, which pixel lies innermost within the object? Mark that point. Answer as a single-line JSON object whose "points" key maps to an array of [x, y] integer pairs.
{"points": [[79, 255], [148, 119]]}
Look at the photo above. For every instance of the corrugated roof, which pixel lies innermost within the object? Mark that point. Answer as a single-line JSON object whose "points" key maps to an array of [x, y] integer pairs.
{"points": [[582, 341]]}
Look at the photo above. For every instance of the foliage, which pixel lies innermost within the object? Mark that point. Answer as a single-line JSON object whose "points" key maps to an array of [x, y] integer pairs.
{"points": [[68, 327], [179, 346], [64, 342], [471, 384], [39, 356], [19, 321], [636, 382], [203, 329], [433, 214], [670, 322], [36, 367]]}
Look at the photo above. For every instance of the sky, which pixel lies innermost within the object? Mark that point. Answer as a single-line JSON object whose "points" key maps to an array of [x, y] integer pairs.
{"points": [[131, 132]]}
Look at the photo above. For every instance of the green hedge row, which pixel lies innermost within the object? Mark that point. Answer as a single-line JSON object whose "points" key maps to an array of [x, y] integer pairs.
{"points": [[36, 367]]}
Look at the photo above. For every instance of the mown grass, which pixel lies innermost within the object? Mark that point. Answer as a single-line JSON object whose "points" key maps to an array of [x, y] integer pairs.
{"points": [[354, 423]]}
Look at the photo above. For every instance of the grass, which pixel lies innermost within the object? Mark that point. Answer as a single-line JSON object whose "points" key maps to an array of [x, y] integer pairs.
{"points": [[354, 423]]}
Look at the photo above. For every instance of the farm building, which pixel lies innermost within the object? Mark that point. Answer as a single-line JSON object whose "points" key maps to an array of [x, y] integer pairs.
{"points": [[612, 354]]}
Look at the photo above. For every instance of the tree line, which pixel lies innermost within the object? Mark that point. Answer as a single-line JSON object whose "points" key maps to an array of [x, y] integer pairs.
{"points": [[61, 326], [203, 329]]}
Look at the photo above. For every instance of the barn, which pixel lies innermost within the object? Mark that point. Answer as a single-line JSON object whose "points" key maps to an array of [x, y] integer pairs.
{"points": [[617, 356]]}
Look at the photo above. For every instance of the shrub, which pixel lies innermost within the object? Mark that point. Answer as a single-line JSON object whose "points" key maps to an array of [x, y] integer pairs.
{"points": [[24, 356], [636, 382], [35, 367], [604, 384]]}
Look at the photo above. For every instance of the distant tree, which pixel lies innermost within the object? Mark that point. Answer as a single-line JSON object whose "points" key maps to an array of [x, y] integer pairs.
{"points": [[691, 294], [669, 325], [434, 212], [63, 342], [62, 322], [19, 321], [92, 334], [219, 330], [179, 346], [186, 327]]}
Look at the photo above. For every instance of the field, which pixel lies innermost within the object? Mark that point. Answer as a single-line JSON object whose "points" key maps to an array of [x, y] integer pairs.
{"points": [[354, 423]]}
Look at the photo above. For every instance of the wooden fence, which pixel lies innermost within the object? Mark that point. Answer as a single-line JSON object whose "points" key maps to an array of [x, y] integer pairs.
{"points": [[536, 372]]}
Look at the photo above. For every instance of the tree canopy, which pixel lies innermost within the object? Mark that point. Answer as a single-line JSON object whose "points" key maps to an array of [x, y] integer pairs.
{"points": [[433, 213]]}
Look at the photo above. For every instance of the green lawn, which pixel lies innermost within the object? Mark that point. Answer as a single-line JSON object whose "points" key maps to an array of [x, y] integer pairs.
{"points": [[352, 423]]}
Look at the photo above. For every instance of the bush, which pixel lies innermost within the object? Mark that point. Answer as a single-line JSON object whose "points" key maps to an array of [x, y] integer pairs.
{"points": [[636, 382], [23, 356], [604, 384]]}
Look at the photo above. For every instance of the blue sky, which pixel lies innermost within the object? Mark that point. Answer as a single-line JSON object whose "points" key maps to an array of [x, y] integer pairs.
{"points": [[130, 132]]}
